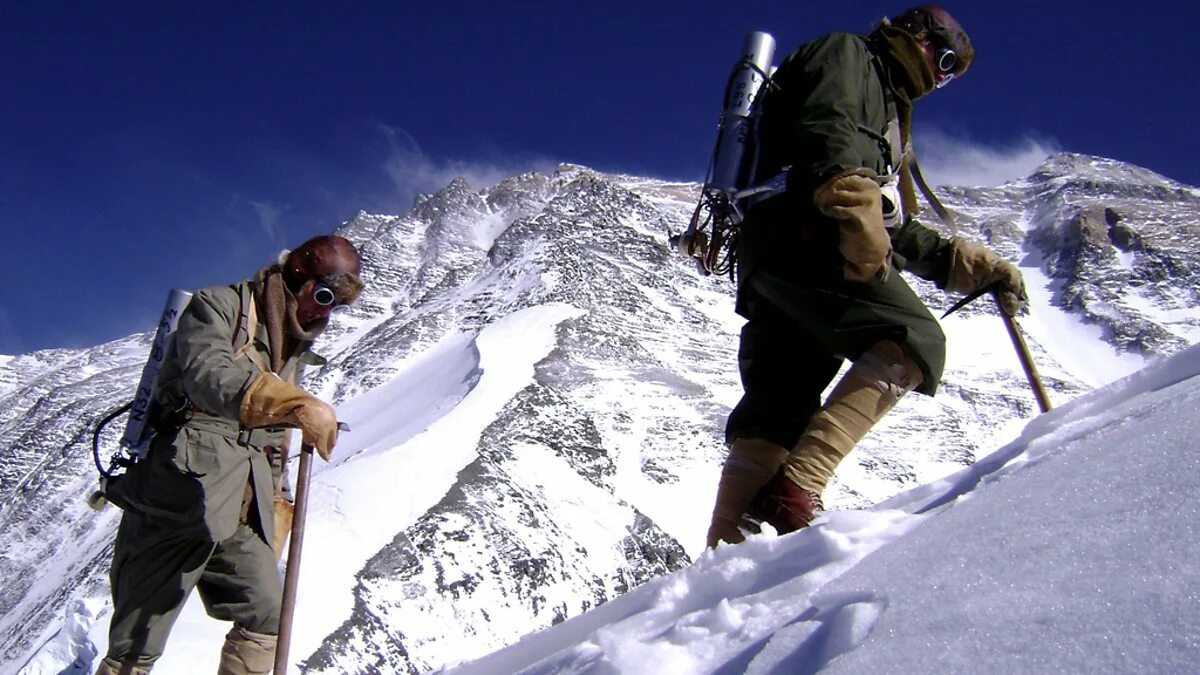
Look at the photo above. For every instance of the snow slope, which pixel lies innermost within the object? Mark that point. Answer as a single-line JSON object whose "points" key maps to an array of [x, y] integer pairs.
{"points": [[1071, 549]]}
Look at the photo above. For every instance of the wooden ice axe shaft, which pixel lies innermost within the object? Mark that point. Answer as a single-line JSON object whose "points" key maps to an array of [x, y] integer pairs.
{"points": [[1014, 332], [296, 544]]}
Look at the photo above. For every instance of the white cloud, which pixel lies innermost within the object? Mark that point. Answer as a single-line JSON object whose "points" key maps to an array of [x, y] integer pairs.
{"points": [[951, 160], [413, 172], [268, 216]]}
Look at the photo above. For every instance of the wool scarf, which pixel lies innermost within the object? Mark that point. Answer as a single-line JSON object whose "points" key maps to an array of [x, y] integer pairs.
{"points": [[909, 77], [277, 310]]}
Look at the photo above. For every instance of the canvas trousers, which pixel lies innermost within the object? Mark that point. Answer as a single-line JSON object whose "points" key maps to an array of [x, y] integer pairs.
{"points": [[798, 335], [155, 568]]}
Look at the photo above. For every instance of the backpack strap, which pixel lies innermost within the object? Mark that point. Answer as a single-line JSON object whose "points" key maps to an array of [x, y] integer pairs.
{"points": [[900, 155], [940, 209], [890, 140], [246, 329]]}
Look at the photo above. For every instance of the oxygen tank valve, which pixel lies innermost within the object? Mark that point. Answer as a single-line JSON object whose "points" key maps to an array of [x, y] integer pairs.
{"points": [[97, 500], [691, 244]]}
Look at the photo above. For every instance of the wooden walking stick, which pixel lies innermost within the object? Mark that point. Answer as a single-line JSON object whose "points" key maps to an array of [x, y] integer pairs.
{"points": [[292, 576], [1014, 332]]}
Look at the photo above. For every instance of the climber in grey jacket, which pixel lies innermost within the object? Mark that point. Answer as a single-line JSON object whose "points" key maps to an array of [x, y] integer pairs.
{"points": [[198, 510]]}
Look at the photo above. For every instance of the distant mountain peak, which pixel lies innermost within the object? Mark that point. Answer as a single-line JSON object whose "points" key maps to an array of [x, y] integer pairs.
{"points": [[1079, 167]]}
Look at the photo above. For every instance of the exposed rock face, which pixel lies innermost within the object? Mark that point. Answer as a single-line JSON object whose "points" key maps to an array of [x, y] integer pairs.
{"points": [[597, 474], [1117, 240]]}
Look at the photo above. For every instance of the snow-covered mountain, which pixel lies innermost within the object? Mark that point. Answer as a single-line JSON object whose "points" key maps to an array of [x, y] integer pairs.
{"points": [[537, 386]]}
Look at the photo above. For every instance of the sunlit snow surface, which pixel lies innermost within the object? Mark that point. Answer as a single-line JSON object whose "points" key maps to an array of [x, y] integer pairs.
{"points": [[1071, 549]]}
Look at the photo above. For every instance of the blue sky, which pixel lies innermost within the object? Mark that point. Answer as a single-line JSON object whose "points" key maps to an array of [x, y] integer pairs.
{"points": [[148, 145]]}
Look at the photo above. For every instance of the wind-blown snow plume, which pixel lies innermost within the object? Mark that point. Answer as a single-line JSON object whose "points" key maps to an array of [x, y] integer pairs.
{"points": [[951, 160]]}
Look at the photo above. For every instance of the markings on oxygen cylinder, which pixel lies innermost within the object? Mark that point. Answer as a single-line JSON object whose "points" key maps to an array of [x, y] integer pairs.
{"points": [[158, 352], [158, 349], [141, 404], [745, 88]]}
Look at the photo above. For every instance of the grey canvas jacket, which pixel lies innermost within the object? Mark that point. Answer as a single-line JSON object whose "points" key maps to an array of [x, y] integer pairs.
{"points": [[201, 462]]}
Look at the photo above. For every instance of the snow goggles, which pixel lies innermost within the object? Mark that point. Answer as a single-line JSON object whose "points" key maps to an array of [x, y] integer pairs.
{"points": [[324, 295], [336, 290], [945, 59]]}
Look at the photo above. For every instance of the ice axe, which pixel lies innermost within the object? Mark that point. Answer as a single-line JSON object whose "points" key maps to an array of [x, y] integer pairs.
{"points": [[1018, 340], [291, 577], [1014, 331]]}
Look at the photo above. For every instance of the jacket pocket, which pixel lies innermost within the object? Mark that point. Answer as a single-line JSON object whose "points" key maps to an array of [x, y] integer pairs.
{"points": [[196, 453], [162, 489]]}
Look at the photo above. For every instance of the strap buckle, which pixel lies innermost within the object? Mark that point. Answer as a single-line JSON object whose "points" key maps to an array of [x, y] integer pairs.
{"points": [[257, 438]]}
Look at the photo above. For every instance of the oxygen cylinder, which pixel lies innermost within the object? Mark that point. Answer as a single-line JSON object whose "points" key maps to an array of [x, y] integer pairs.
{"points": [[732, 161], [135, 439]]}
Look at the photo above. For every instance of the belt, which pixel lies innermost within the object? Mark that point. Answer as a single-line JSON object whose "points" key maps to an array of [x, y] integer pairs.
{"points": [[258, 438]]}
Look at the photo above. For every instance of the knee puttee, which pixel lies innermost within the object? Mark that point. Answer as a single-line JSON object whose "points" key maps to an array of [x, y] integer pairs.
{"points": [[888, 368]]}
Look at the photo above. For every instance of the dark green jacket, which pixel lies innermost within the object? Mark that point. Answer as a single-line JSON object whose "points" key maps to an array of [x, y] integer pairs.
{"points": [[828, 114], [196, 472]]}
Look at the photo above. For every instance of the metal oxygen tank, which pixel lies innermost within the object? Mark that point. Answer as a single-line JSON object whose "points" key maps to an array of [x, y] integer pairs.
{"points": [[708, 237], [734, 157], [136, 439]]}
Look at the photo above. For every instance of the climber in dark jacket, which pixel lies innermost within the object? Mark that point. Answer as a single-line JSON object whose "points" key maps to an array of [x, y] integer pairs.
{"points": [[817, 266]]}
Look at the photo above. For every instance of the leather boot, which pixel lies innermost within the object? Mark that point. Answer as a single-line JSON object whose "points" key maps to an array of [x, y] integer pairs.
{"points": [[868, 390], [113, 667], [247, 653], [750, 465], [785, 505]]}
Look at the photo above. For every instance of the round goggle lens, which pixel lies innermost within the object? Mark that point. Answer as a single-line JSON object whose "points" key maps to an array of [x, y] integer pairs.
{"points": [[323, 296], [946, 60]]}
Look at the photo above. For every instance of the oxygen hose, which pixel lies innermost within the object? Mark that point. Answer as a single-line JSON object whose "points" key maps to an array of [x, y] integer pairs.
{"points": [[96, 436]]}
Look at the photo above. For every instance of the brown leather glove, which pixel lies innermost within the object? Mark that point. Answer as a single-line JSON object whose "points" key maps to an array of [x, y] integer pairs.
{"points": [[975, 266], [272, 401], [855, 201]]}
